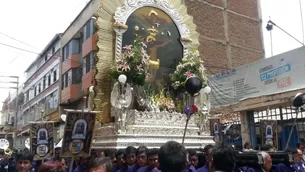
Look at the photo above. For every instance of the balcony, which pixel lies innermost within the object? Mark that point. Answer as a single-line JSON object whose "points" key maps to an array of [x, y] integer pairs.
{"points": [[71, 62], [89, 45], [88, 80], [71, 93]]}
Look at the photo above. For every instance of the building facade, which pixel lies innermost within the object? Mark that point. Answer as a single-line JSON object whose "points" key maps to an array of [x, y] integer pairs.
{"points": [[40, 90], [8, 112], [78, 58]]}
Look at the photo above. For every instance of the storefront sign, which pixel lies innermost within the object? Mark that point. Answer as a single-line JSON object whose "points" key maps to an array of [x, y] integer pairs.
{"points": [[281, 73]]}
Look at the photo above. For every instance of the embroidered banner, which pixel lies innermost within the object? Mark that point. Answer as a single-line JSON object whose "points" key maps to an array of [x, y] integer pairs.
{"points": [[78, 134], [42, 140]]}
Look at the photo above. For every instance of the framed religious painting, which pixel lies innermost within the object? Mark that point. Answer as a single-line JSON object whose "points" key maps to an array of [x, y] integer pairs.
{"points": [[268, 130]]}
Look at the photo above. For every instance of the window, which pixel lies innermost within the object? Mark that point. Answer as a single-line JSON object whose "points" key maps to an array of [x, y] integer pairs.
{"points": [[66, 52], [88, 67], [71, 48], [89, 29], [63, 81], [49, 79], [53, 50], [55, 95], [88, 63], [44, 83], [84, 66], [55, 76], [72, 76], [66, 80], [69, 77], [92, 60], [46, 57], [35, 91], [39, 88]]}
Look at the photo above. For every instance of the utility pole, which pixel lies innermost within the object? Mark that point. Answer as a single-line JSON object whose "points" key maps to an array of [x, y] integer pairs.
{"points": [[12, 80]]}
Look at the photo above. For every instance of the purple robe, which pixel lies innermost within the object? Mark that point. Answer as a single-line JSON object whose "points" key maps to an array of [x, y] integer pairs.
{"points": [[203, 169], [191, 169], [135, 168], [127, 168], [283, 168], [148, 169], [115, 168], [248, 169], [80, 168], [299, 166], [245, 169]]}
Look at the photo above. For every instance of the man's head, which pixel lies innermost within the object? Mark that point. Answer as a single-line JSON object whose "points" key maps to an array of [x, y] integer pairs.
{"points": [[223, 157], [119, 156], [84, 161], [193, 158], [209, 157], [142, 156], [130, 155], [172, 157], [267, 161], [63, 162], [102, 154], [247, 145], [100, 165], [152, 158], [300, 146], [24, 161], [298, 155]]}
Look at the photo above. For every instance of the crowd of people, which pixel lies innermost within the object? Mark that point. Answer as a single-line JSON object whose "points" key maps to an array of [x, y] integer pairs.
{"points": [[171, 157]]}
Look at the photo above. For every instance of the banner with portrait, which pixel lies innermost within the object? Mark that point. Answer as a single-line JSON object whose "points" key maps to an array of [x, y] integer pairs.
{"points": [[216, 129], [78, 134], [268, 129], [42, 140]]}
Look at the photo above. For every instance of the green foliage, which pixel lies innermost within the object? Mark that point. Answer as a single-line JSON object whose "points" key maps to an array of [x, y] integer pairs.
{"points": [[133, 63], [190, 65]]}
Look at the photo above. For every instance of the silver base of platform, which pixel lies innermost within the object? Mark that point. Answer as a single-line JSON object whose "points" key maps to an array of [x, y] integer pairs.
{"points": [[151, 129]]}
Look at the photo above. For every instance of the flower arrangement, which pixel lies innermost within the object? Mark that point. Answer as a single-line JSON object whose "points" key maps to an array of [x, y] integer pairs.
{"points": [[133, 63], [164, 102], [190, 65]]}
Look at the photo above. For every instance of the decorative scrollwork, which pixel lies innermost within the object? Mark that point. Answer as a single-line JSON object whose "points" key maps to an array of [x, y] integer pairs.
{"points": [[122, 13]]}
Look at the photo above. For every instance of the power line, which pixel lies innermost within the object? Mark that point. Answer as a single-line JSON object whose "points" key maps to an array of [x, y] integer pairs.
{"points": [[18, 40], [21, 49]]}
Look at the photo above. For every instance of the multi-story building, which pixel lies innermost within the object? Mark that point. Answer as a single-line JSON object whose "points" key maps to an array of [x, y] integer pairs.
{"points": [[40, 89], [8, 112], [78, 47]]}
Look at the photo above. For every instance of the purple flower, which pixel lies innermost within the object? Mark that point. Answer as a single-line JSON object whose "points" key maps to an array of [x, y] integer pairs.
{"points": [[188, 110]]}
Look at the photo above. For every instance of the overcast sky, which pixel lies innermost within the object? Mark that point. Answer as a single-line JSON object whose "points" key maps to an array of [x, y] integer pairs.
{"points": [[35, 22]]}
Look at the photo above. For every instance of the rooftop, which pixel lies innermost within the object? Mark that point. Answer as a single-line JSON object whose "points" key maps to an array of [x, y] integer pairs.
{"points": [[55, 38]]}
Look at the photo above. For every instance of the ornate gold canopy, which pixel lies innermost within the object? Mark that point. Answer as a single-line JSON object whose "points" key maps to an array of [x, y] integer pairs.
{"points": [[111, 24]]}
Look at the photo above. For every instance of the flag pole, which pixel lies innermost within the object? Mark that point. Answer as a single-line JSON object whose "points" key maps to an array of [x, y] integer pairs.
{"points": [[302, 22]]}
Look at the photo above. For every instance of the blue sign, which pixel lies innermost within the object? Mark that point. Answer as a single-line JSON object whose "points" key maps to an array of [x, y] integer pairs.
{"points": [[275, 72]]}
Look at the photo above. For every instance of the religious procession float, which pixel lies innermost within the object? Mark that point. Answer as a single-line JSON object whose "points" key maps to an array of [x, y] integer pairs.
{"points": [[150, 84], [157, 79]]}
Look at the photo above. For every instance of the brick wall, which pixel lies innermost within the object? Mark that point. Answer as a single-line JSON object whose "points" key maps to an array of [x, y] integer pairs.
{"points": [[230, 32]]}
